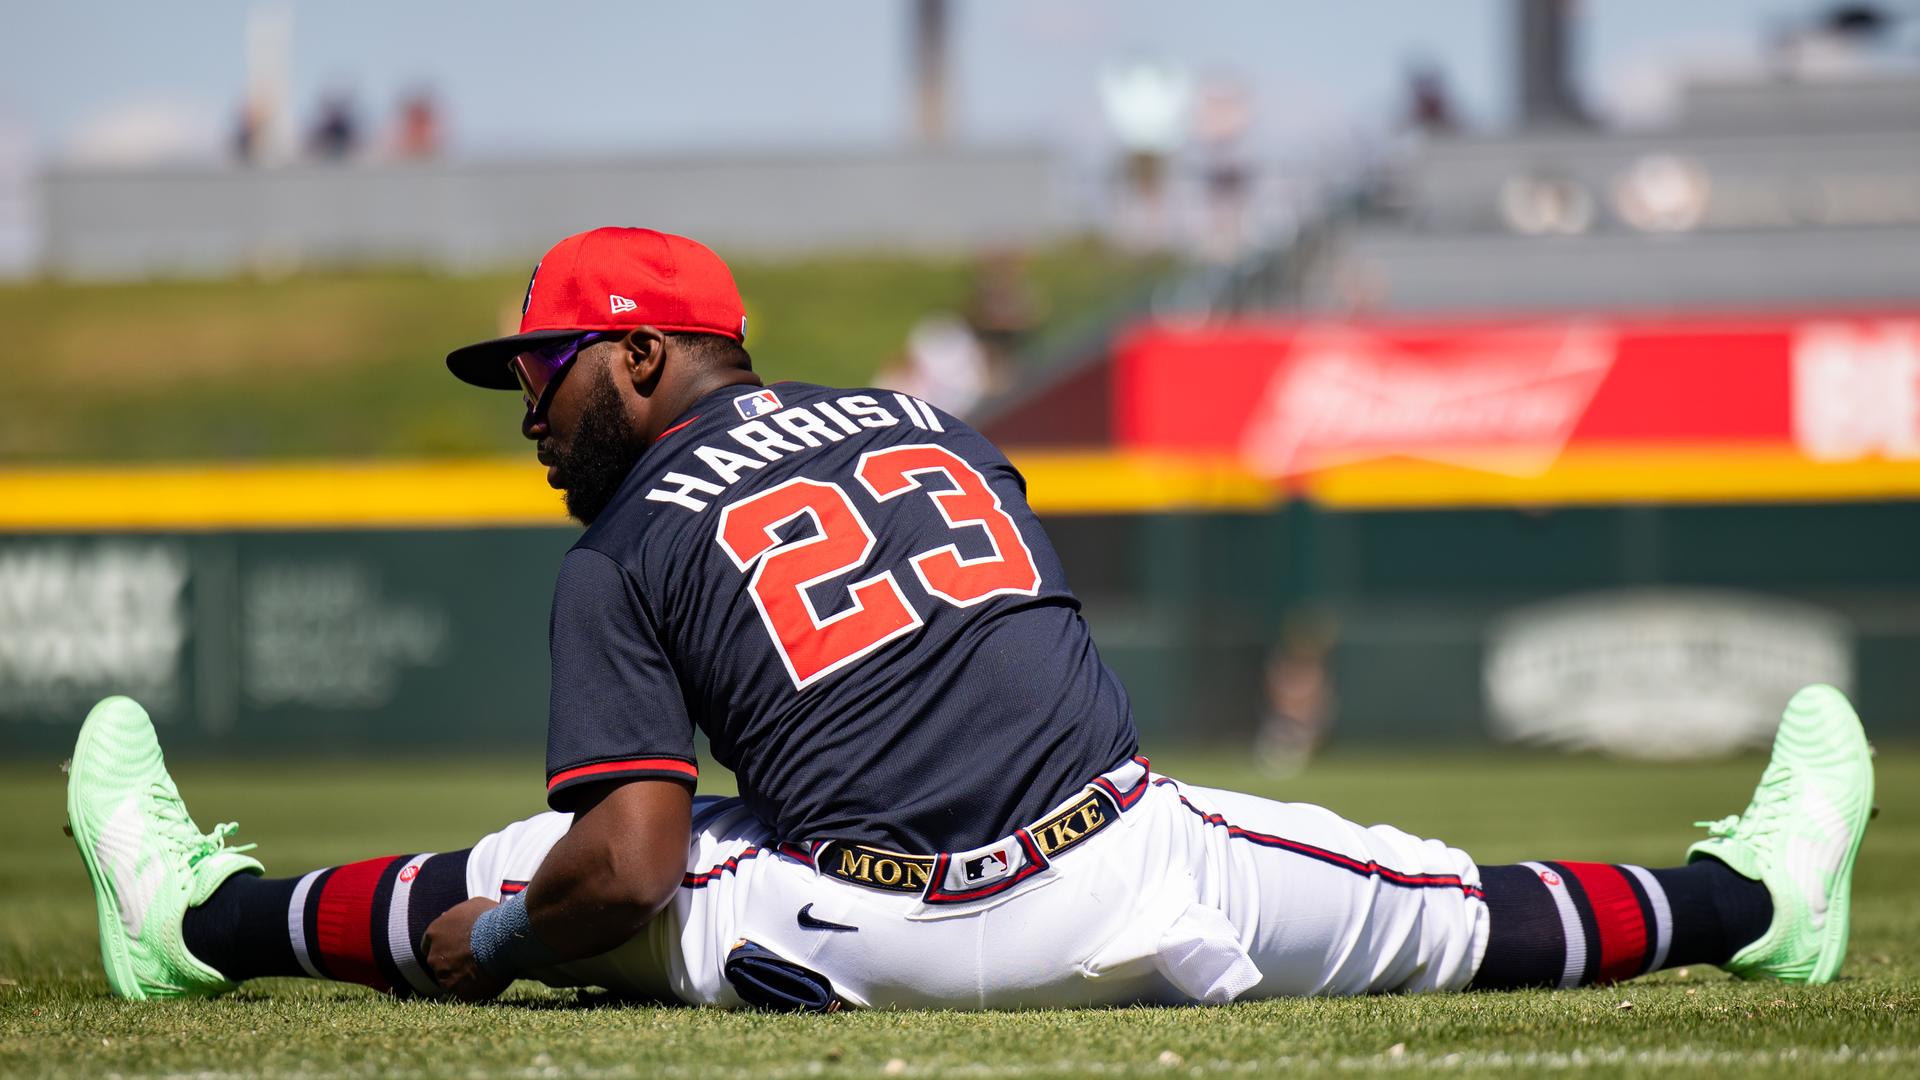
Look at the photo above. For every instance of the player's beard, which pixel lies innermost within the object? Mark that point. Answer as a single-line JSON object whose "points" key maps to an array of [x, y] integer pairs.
{"points": [[603, 451]]}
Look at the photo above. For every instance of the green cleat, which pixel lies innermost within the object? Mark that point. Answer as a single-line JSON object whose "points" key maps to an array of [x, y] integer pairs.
{"points": [[1799, 837], [146, 858]]}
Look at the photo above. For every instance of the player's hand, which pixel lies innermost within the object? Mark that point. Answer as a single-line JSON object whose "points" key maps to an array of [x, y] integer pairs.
{"points": [[449, 941]]}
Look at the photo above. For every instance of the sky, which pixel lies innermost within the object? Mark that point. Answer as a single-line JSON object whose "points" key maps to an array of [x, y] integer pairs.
{"points": [[96, 79]]}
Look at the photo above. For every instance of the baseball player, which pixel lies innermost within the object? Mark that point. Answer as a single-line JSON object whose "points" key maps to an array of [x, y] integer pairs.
{"points": [[942, 800]]}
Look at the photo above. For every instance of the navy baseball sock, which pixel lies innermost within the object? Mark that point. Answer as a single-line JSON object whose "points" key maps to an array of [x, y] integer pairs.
{"points": [[241, 931], [360, 923], [1571, 924]]}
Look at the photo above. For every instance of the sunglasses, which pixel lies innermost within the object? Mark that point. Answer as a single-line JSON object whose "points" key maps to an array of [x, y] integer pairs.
{"points": [[539, 370]]}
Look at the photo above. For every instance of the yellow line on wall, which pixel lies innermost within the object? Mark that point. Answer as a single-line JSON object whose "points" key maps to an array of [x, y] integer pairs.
{"points": [[350, 495], [1611, 476], [501, 492], [1097, 482], [491, 492]]}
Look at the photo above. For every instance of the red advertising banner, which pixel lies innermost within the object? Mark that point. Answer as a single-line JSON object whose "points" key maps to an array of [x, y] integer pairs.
{"points": [[1539, 410]]}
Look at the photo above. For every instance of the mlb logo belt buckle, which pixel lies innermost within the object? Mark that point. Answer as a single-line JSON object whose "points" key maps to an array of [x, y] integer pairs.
{"points": [[962, 876]]}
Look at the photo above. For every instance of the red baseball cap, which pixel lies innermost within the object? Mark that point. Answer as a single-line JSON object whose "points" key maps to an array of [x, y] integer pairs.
{"points": [[612, 279]]}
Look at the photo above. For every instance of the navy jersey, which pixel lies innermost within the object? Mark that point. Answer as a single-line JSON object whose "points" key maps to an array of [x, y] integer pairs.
{"points": [[846, 590]]}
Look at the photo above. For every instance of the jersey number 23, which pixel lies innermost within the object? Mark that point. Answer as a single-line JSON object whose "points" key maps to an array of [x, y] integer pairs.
{"points": [[812, 647]]}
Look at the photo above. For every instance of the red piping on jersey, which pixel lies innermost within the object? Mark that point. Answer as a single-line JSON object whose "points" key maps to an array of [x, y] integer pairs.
{"points": [[634, 765], [675, 428]]}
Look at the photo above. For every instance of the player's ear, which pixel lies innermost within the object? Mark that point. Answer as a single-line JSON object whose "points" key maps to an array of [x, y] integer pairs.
{"points": [[643, 355]]}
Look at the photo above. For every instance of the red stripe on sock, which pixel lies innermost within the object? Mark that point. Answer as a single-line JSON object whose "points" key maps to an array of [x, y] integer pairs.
{"points": [[344, 923], [1616, 912]]}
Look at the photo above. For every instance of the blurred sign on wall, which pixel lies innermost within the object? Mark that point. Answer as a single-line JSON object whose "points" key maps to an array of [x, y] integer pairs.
{"points": [[1658, 672], [333, 635], [81, 620], [306, 642], [1535, 411]]}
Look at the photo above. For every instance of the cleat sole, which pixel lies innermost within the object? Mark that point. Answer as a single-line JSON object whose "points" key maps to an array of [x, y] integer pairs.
{"points": [[1833, 948], [113, 944]]}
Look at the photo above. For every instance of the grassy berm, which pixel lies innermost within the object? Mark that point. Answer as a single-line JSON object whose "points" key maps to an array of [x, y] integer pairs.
{"points": [[57, 1019], [350, 364]]}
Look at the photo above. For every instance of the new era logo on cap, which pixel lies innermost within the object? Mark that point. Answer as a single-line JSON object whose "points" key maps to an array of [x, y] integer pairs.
{"points": [[618, 304], [527, 300]]}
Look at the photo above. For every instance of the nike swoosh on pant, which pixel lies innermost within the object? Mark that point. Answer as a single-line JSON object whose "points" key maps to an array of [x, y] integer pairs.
{"points": [[808, 922]]}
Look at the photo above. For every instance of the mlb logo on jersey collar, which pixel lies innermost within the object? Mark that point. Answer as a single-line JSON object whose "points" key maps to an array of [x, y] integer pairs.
{"points": [[758, 403]]}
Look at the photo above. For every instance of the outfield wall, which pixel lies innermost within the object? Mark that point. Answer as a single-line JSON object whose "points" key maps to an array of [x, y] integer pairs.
{"points": [[315, 636], [344, 607]]}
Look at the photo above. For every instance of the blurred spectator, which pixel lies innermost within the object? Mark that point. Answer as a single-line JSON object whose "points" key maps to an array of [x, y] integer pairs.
{"points": [[1225, 112], [262, 134], [1546, 201], [418, 134], [1147, 107], [943, 364], [247, 130], [336, 135], [1429, 103], [1300, 696], [1003, 309], [1845, 41]]}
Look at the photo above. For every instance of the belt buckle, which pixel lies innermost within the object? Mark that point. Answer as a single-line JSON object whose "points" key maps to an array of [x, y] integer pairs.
{"points": [[960, 876]]}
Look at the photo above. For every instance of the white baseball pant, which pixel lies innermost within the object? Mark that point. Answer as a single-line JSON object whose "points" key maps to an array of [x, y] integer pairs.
{"points": [[1191, 894]]}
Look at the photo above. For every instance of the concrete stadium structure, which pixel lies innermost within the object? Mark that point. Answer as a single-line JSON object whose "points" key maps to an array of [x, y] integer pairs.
{"points": [[225, 219]]}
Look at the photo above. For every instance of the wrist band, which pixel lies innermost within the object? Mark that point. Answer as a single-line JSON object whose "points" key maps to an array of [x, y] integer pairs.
{"points": [[503, 943]]}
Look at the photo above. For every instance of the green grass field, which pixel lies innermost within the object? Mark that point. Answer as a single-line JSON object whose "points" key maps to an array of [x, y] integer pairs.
{"points": [[350, 364], [56, 1017]]}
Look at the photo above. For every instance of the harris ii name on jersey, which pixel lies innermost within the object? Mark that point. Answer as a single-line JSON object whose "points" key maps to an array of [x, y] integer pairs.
{"points": [[787, 429]]}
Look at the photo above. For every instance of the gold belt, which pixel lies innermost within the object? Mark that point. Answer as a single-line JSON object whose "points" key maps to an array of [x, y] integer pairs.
{"points": [[1041, 842]]}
